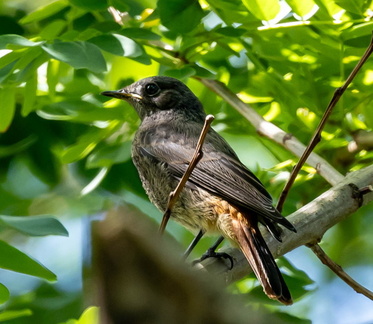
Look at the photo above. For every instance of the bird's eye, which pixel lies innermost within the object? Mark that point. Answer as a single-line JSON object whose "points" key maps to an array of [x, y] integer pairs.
{"points": [[152, 89]]}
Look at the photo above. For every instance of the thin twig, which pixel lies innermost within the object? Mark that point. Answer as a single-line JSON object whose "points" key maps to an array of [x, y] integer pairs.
{"points": [[116, 15], [174, 195], [337, 269], [317, 135]]}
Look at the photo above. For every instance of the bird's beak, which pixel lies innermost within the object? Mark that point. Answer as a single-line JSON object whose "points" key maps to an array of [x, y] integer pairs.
{"points": [[121, 94]]}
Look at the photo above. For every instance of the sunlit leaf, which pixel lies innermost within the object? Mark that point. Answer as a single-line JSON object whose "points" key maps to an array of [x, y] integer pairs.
{"points": [[13, 314], [90, 5], [80, 111], [202, 72], [52, 30], [45, 11], [34, 225], [86, 143], [118, 45], [95, 182], [7, 150], [80, 55], [109, 155], [6, 40], [301, 7], [4, 294], [90, 316], [140, 33], [180, 16], [30, 95], [358, 35], [7, 107], [232, 11], [15, 260], [353, 6], [182, 73], [263, 9]]}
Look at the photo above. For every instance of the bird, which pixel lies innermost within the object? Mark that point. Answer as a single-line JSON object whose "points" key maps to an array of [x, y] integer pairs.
{"points": [[222, 196]]}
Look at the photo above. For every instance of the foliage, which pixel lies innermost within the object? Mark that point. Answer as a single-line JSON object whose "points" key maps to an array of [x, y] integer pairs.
{"points": [[60, 139]]}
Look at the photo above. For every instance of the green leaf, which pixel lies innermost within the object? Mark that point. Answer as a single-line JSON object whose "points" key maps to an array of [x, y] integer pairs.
{"points": [[358, 35], [80, 55], [86, 143], [230, 31], [180, 16], [90, 316], [202, 72], [118, 45], [4, 294], [12, 314], [7, 107], [182, 73], [353, 6], [17, 147], [109, 155], [34, 225], [52, 30], [140, 33], [232, 11], [77, 152], [15, 260], [120, 5], [9, 58], [7, 70], [45, 11], [6, 40], [80, 111], [30, 95], [301, 7], [31, 60], [263, 9], [90, 5]]}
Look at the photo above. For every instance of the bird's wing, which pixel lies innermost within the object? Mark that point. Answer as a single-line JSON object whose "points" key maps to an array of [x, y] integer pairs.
{"points": [[218, 173]]}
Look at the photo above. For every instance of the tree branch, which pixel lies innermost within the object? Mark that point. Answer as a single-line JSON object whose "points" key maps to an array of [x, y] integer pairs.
{"points": [[311, 222], [273, 132], [139, 277]]}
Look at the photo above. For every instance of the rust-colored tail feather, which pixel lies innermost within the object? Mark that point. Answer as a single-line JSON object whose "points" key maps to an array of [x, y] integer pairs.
{"points": [[261, 260]]}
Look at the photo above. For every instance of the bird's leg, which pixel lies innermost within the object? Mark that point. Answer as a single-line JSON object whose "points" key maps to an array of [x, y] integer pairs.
{"points": [[193, 243], [211, 253]]}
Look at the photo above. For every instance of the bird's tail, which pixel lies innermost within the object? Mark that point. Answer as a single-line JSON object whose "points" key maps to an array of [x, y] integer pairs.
{"points": [[261, 260]]}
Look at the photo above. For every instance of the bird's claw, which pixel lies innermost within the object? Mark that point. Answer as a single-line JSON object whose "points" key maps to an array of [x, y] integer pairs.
{"points": [[211, 253]]}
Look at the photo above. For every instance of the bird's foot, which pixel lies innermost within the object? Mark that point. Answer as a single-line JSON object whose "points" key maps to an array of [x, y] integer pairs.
{"points": [[211, 253]]}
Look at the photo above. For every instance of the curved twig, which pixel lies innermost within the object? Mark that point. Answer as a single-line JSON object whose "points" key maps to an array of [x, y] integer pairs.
{"points": [[337, 269], [317, 135]]}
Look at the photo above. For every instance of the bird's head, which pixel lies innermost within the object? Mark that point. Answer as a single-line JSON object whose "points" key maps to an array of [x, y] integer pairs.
{"points": [[160, 94]]}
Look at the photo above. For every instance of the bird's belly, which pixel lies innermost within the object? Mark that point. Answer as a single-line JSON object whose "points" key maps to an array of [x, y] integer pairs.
{"points": [[194, 209]]}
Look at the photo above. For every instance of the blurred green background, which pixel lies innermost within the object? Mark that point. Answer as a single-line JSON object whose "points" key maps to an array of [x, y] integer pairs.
{"points": [[65, 149]]}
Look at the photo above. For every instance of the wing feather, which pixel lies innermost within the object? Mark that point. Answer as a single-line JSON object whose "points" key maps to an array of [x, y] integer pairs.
{"points": [[220, 174]]}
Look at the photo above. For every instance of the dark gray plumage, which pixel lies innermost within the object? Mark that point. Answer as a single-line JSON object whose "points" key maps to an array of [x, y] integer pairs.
{"points": [[221, 195]]}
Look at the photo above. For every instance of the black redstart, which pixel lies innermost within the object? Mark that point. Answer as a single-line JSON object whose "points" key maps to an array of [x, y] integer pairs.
{"points": [[221, 195]]}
